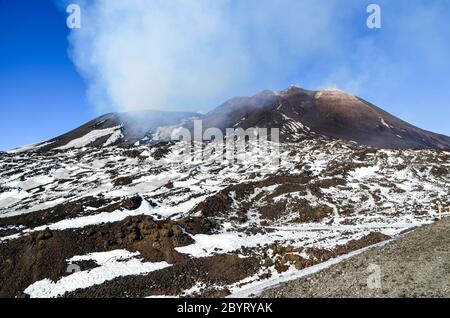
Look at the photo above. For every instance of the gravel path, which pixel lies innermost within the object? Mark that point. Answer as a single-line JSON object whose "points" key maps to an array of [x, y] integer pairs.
{"points": [[417, 265]]}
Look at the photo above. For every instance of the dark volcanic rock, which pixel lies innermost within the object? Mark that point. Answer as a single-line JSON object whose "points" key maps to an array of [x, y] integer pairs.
{"points": [[133, 125], [332, 113], [44, 254], [213, 270], [298, 113]]}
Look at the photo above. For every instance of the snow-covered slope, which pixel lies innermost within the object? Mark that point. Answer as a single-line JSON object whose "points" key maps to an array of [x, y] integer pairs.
{"points": [[111, 209], [221, 227], [120, 129]]}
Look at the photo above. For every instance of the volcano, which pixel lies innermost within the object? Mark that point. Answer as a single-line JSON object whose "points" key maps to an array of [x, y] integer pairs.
{"points": [[108, 210], [299, 114], [333, 113]]}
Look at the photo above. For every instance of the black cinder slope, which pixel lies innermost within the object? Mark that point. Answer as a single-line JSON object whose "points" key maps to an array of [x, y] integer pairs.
{"points": [[298, 113], [332, 113], [124, 129]]}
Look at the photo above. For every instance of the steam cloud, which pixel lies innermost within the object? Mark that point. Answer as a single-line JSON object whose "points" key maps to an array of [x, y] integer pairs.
{"points": [[191, 54]]}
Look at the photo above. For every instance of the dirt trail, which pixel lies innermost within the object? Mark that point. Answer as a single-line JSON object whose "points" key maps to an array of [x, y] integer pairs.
{"points": [[417, 265]]}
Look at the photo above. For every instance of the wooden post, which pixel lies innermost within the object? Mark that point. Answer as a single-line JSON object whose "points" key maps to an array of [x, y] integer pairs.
{"points": [[440, 210]]}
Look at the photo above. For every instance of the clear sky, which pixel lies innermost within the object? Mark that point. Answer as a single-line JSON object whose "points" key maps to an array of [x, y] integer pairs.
{"points": [[193, 55], [41, 93]]}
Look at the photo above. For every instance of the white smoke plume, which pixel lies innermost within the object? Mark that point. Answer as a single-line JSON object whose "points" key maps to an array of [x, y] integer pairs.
{"points": [[190, 54]]}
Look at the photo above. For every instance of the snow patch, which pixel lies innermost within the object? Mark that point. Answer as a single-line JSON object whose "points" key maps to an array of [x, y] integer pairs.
{"points": [[112, 264], [93, 136], [104, 217], [30, 147], [383, 122], [10, 197], [257, 287]]}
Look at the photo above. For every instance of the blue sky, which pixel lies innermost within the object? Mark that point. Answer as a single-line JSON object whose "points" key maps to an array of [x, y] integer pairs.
{"points": [[193, 55], [41, 93]]}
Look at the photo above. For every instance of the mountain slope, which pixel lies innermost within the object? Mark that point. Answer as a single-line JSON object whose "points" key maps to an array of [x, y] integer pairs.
{"points": [[414, 266], [109, 212], [332, 113], [119, 129], [299, 114], [151, 222]]}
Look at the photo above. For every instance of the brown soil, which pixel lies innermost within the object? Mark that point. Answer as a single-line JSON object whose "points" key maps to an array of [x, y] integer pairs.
{"points": [[44, 254], [122, 181], [70, 210], [214, 270], [323, 255], [273, 211], [284, 257], [220, 204], [161, 150], [416, 265], [439, 171], [308, 213], [133, 153], [213, 293]]}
